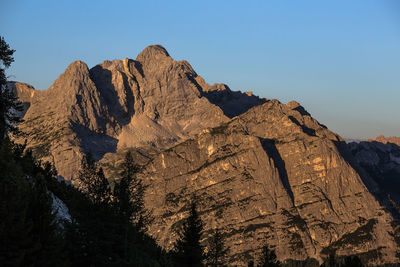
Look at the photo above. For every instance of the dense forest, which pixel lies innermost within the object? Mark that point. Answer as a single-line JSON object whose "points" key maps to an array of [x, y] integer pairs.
{"points": [[106, 223]]}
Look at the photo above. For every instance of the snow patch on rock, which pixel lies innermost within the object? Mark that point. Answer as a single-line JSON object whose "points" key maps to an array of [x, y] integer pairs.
{"points": [[60, 209]]}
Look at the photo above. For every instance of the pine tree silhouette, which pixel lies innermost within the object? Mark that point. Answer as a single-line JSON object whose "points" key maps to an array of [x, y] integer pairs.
{"points": [[268, 258], [352, 261], [93, 183], [188, 250], [97, 219], [8, 102], [29, 235], [128, 200], [217, 252]]}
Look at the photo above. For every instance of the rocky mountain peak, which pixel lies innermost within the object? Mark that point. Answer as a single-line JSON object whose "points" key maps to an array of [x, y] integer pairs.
{"points": [[152, 52], [293, 104], [75, 77], [76, 67]]}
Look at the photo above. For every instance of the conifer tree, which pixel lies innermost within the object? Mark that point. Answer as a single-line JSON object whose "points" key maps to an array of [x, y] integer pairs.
{"points": [[268, 258], [217, 252], [129, 193], [93, 183], [16, 239], [128, 198], [8, 102], [29, 235], [331, 261], [96, 219], [188, 250], [352, 261], [45, 230]]}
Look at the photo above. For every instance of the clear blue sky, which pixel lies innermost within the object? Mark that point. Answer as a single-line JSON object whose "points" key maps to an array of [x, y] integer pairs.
{"points": [[339, 59]]}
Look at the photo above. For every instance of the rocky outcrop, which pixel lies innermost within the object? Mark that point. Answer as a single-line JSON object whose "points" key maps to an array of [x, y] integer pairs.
{"points": [[261, 170], [272, 173], [25, 93]]}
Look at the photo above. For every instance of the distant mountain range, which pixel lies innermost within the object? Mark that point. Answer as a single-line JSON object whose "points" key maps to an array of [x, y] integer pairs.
{"points": [[262, 171], [382, 139]]}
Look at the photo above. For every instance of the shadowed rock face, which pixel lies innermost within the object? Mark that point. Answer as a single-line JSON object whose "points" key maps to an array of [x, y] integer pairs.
{"points": [[381, 160], [260, 169], [232, 103]]}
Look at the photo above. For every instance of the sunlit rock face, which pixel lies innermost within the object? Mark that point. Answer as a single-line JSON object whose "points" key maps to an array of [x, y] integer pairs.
{"points": [[275, 174], [261, 171]]}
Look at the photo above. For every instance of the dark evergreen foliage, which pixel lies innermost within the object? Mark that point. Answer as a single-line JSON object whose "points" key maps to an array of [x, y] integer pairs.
{"points": [[93, 183], [331, 261], [268, 258], [309, 262], [96, 225], [129, 192], [29, 235], [104, 228], [352, 261], [342, 261], [128, 202], [188, 250], [217, 251], [9, 104]]}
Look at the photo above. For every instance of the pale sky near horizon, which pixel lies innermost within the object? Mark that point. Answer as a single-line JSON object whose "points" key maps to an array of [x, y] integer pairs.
{"points": [[339, 59]]}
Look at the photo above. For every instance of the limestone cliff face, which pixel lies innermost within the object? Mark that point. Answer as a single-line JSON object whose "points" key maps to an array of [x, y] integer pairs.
{"points": [[61, 120], [261, 170], [272, 173]]}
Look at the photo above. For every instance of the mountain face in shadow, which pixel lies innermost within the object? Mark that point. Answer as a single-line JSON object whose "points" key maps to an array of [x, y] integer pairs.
{"points": [[380, 159], [260, 169]]}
